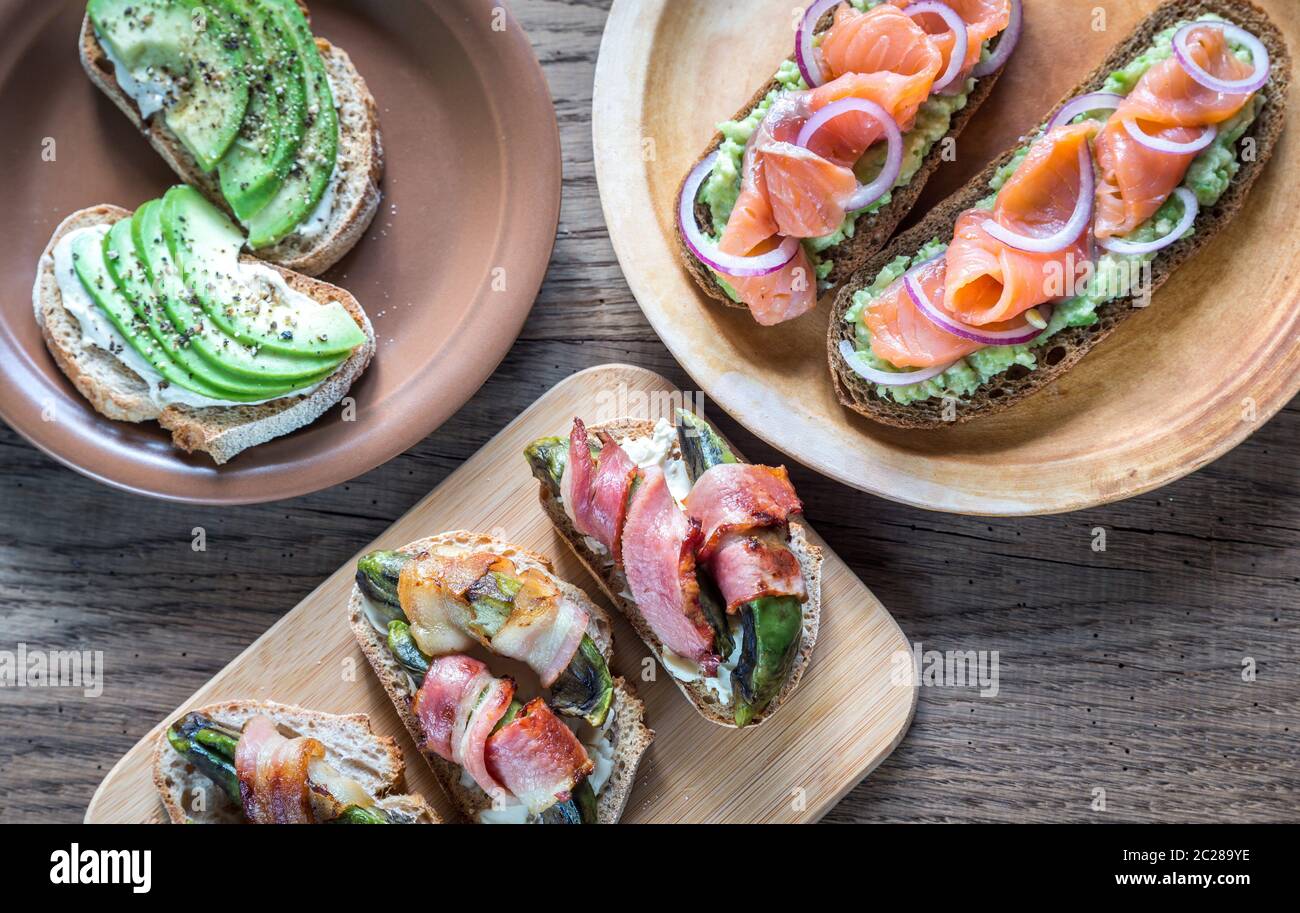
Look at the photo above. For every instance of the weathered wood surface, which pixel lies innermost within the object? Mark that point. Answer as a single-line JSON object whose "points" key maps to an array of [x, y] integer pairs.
{"points": [[1119, 670]]}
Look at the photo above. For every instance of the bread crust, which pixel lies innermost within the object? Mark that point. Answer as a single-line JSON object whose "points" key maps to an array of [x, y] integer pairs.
{"points": [[360, 156], [1073, 343], [614, 584], [871, 230], [631, 737], [118, 393], [351, 745]]}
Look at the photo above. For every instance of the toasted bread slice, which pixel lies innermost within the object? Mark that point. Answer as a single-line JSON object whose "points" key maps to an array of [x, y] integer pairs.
{"points": [[360, 156], [614, 583], [351, 747], [120, 394], [1071, 344], [871, 230], [626, 725]]}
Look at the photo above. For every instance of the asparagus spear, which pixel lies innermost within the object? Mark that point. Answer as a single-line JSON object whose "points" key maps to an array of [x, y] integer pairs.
{"points": [[770, 625], [584, 689], [210, 747]]}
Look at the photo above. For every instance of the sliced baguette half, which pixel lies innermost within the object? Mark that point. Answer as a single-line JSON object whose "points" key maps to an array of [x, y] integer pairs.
{"points": [[351, 747], [614, 583], [1067, 347], [360, 155], [626, 725], [120, 394], [871, 230]]}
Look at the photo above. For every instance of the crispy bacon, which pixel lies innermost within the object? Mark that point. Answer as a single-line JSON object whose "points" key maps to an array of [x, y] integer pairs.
{"points": [[739, 497], [432, 591], [457, 706], [544, 629], [753, 564], [595, 491], [273, 774], [659, 543], [537, 757]]}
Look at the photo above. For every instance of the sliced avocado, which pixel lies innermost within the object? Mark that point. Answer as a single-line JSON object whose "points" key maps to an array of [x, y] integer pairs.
{"points": [[313, 168], [259, 160], [270, 369], [89, 263], [192, 47], [132, 281], [206, 246]]}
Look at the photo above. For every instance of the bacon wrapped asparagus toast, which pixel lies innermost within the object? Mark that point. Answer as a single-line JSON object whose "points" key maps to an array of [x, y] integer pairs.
{"points": [[697, 549], [568, 757]]}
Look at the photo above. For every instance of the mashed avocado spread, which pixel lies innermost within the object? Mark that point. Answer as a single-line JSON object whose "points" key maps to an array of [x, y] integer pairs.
{"points": [[1113, 275], [722, 187]]}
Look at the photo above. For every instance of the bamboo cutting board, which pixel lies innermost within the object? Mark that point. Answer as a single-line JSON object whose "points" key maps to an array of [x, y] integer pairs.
{"points": [[1215, 355], [847, 714]]}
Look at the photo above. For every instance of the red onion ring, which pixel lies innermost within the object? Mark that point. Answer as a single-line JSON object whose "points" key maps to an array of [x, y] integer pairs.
{"points": [[1157, 144], [1190, 208], [1011, 337], [804, 53], [956, 25], [866, 194], [887, 378], [1006, 43], [1258, 54], [707, 252], [1093, 101], [1068, 232]]}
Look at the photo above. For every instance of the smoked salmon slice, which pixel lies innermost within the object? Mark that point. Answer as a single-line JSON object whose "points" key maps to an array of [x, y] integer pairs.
{"points": [[906, 338], [1133, 181], [984, 19], [988, 281]]}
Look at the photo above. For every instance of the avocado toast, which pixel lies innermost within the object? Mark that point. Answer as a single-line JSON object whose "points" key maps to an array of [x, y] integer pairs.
{"points": [[1218, 177], [272, 124], [157, 315]]}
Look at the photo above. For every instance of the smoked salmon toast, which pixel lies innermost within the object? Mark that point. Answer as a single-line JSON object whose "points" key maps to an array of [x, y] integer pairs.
{"points": [[1014, 278], [813, 175]]}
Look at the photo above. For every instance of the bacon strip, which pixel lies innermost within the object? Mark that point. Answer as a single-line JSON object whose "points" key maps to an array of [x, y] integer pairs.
{"points": [[457, 705], [273, 774], [659, 543], [595, 491], [750, 565], [739, 497], [545, 628], [537, 757], [432, 591]]}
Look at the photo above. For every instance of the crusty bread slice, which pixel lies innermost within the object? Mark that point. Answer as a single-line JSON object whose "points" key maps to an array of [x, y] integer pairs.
{"points": [[360, 156], [351, 747], [120, 394], [1071, 344], [614, 583], [630, 737], [871, 230]]}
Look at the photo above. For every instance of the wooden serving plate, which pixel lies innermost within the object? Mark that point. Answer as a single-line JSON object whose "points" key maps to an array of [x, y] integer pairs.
{"points": [[846, 716], [1216, 354]]}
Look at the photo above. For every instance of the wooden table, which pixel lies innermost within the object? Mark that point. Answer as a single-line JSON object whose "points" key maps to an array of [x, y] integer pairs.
{"points": [[1120, 670]]}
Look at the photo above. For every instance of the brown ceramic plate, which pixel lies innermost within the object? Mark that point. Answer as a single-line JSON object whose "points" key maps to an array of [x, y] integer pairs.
{"points": [[472, 186]]}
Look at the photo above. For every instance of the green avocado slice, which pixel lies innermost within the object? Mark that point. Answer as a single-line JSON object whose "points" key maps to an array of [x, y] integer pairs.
{"points": [[89, 264], [206, 246], [275, 371], [256, 164], [190, 47], [313, 168], [132, 281]]}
